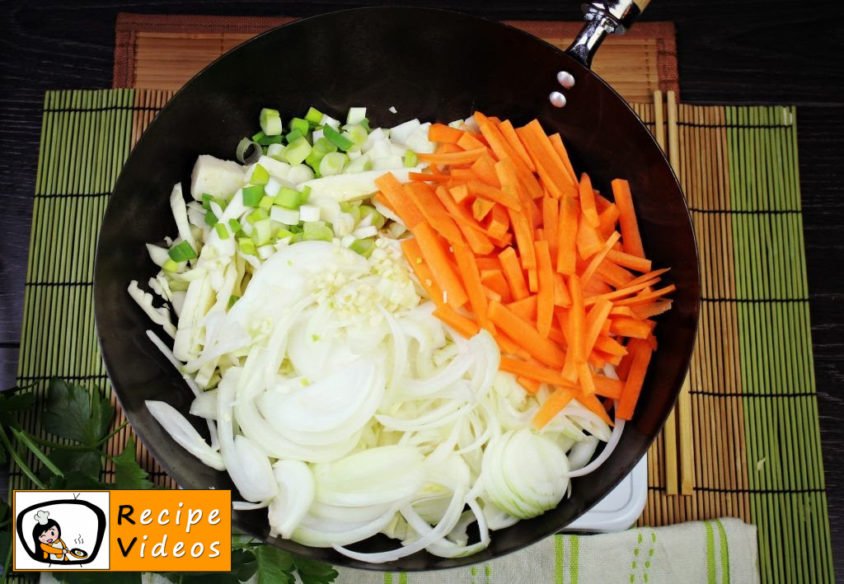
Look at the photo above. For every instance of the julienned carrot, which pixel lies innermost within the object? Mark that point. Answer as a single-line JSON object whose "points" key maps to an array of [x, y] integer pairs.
{"points": [[381, 199], [552, 406], [587, 201], [433, 210], [607, 387], [560, 149], [599, 257], [508, 199], [567, 235], [526, 336], [509, 132], [545, 295], [495, 280], [394, 192], [513, 272], [626, 260], [443, 133], [532, 370], [435, 256], [461, 157], [471, 280], [558, 291], [411, 250], [631, 327], [627, 218], [640, 359], [595, 319], [469, 141], [465, 326]]}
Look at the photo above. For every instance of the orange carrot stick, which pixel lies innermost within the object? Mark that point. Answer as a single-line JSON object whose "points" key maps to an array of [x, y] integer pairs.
{"points": [[524, 308], [594, 405], [463, 325], [595, 319], [607, 387], [513, 272], [598, 258], [561, 293], [433, 210], [532, 370], [395, 194], [433, 250], [552, 406], [550, 223], [448, 158], [584, 378], [627, 260], [471, 280], [653, 309], [567, 235], [587, 201], [474, 234], [644, 298], [627, 218], [509, 133], [495, 280], [442, 133], [631, 327], [468, 142], [641, 358], [484, 168], [508, 199], [560, 149], [545, 295], [607, 220], [411, 250], [542, 349]]}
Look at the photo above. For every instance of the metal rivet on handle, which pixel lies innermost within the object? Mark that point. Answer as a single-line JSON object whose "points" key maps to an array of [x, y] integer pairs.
{"points": [[557, 99], [565, 79]]}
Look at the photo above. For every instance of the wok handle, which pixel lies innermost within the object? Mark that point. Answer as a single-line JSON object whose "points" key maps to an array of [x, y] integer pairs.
{"points": [[603, 17]]}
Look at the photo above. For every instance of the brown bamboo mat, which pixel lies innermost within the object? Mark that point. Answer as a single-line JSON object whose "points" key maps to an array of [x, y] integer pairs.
{"points": [[163, 51]]}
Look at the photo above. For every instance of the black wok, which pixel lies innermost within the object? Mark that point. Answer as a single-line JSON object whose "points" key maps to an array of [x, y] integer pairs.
{"points": [[430, 64]]}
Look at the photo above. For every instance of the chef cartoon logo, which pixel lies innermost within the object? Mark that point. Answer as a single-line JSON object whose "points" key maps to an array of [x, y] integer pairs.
{"points": [[61, 530]]}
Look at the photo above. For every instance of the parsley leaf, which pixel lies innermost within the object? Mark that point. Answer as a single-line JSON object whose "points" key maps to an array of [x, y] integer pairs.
{"points": [[314, 572], [128, 474], [77, 414], [275, 566]]}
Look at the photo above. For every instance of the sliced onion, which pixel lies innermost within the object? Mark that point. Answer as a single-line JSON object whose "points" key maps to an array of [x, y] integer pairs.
{"points": [[184, 433], [331, 533], [581, 453], [295, 494], [615, 437]]}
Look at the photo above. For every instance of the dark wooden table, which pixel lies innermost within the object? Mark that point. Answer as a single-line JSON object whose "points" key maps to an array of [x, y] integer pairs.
{"points": [[730, 51]]}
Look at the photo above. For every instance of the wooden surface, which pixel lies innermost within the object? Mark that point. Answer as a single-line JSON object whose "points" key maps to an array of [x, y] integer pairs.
{"points": [[158, 51], [730, 51]]}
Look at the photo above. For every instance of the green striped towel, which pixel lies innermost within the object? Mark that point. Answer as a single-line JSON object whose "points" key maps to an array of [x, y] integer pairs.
{"points": [[705, 552]]}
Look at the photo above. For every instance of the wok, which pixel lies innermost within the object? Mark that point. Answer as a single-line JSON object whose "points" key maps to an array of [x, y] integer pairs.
{"points": [[430, 64]]}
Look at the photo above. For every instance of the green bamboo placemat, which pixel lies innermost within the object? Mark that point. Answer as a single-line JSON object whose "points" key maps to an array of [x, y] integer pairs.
{"points": [[752, 383]]}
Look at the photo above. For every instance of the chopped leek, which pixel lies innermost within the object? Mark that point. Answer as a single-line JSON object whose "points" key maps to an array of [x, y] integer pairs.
{"points": [[294, 135], [363, 247], [257, 215], [265, 203], [170, 266], [297, 151], [247, 246], [182, 252], [300, 125], [356, 115], [333, 163], [410, 159], [270, 121], [314, 116], [316, 231], [336, 138], [375, 218], [221, 230], [252, 195], [210, 218], [259, 176], [289, 198], [235, 226]]}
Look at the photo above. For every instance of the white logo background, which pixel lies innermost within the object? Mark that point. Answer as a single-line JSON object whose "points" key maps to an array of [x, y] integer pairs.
{"points": [[78, 523]]}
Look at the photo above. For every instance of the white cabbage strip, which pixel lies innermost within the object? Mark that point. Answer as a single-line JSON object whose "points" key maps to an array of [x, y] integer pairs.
{"points": [[335, 399]]}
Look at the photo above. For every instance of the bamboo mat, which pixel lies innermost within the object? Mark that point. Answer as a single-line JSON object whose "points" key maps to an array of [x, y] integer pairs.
{"points": [[164, 51]]}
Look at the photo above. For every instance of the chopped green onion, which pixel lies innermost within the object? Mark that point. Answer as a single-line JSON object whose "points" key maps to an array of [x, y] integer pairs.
{"points": [[266, 203], [333, 163], [297, 151], [363, 247], [324, 146], [289, 198], [210, 218], [247, 151], [313, 160], [182, 252], [252, 195], [283, 233], [314, 116], [247, 246], [337, 138], [356, 134], [306, 194], [317, 231], [257, 215], [221, 230], [206, 201], [276, 151], [235, 226], [260, 176], [270, 121], [264, 140], [300, 125], [232, 299], [170, 266], [293, 135], [410, 159], [377, 219], [263, 232]]}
